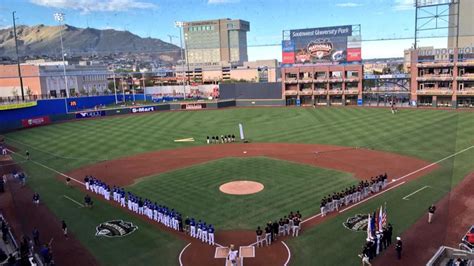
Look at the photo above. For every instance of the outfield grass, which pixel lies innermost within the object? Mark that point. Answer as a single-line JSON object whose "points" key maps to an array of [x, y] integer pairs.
{"points": [[426, 134], [288, 187]]}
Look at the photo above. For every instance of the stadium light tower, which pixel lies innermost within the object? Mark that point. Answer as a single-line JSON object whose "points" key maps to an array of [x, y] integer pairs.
{"points": [[59, 17], [18, 58], [181, 24]]}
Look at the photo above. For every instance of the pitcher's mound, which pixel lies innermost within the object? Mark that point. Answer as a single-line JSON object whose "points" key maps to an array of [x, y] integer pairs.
{"points": [[241, 187]]}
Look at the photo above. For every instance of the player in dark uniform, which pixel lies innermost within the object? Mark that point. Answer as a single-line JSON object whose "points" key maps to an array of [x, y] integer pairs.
{"points": [[88, 201], [268, 234], [64, 227], [275, 226], [259, 233]]}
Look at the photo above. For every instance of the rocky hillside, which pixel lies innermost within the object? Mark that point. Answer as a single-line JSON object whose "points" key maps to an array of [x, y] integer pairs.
{"points": [[41, 40]]}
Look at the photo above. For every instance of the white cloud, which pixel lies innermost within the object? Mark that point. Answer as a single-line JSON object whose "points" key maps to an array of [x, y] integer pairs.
{"points": [[402, 5], [87, 6], [217, 2], [348, 4]]}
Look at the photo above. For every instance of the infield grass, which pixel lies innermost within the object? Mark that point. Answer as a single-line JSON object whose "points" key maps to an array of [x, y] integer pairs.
{"points": [[288, 187], [427, 134]]}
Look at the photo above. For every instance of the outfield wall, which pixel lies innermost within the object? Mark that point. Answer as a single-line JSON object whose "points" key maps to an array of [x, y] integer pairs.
{"points": [[59, 110], [271, 90]]}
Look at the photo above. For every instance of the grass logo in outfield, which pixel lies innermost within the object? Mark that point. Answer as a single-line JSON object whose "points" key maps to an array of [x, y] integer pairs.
{"points": [[115, 228], [357, 222]]}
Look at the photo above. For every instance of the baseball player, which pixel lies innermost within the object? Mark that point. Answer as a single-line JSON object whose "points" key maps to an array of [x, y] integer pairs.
{"points": [[259, 233], [287, 225], [199, 230], [268, 234], [210, 233], [36, 198], [323, 207], [64, 227], [296, 226], [192, 225], [204, 233], [207, 140], [122, 198], [86, 182], [281, 227], [140, 206]]}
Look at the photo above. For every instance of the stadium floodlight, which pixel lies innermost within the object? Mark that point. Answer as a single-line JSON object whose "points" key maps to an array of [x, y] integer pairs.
{"points": [[180, 25], [59, 17]]}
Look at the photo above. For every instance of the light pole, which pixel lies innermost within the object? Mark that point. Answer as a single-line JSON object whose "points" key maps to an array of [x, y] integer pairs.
{"points": [[59, 17], [181, 24], [115, 88], [18, 58]]}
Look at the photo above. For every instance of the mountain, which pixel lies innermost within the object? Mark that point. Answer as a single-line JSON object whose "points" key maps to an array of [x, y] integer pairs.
{"points": [[41, 40]]}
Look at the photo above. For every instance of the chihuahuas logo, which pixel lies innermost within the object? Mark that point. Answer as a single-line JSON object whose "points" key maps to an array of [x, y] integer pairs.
{"points": [[115, 228], [357, 222], [319, 49]]}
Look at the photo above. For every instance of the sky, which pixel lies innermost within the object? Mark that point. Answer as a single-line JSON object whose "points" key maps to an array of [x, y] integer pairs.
{"points": [[379, 19]]}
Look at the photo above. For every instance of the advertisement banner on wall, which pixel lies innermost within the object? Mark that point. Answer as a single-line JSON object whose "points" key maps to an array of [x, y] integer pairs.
{"points": [[288, 58], [354, 54], [37, 121], [328, 45], [90, 114], [193, 106], [143, 109]]}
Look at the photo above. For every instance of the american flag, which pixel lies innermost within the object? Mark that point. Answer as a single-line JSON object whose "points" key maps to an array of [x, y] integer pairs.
{"points": [[380, 220], [384, 216]]}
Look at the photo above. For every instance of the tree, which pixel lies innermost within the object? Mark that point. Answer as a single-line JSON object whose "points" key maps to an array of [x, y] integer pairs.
{"points": [[82, 91], [15, 92], [29, 92], [94, 91]]}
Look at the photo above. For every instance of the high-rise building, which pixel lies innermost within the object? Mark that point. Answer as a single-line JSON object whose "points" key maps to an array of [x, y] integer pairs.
{"points": [[466, 22], [216, 42]]}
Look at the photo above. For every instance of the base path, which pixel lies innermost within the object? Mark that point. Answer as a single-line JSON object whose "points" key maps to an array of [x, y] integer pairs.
{"points": [[364, 163], [453, 217]]}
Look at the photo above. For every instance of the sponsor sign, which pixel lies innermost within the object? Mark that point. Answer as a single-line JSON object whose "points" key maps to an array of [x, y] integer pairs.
{"points": [[357, 222], [328, 45], [115, 228], [90, 114], [288, 58], [17, 106], [354, 54], [288, 46], [143, 109], [193, 106], [37, 121], [445, 51]]}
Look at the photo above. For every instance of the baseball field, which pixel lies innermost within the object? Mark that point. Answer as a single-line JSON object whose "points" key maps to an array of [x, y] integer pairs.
{"points": [[298, 154]]}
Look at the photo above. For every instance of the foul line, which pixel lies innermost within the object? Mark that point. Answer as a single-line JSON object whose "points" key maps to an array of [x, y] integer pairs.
{"points": [[312, 217], [407, 196], [181, 254], [49, 168], [71, 199], [430, 165], [289, 253], [371, 197]]}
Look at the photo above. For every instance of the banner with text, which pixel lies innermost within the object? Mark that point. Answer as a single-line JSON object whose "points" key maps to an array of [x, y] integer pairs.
{"points": [[328, 45], [90, 114], [35, 122]]}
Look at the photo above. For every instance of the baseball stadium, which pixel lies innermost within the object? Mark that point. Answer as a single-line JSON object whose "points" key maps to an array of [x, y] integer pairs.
{"points": [[318, 168]]}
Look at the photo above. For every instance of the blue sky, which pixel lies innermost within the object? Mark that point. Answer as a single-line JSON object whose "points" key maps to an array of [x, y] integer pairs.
{"points": [[380, 19]]}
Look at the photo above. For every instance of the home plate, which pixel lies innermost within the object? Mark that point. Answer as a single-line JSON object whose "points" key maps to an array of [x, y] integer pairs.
{"points": [[245, 151]]}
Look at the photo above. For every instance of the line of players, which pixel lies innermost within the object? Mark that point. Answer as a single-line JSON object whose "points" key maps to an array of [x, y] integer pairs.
{"points": [[221, 139], [158, 213], [199, 230], [352, 194], [279, 228]]}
